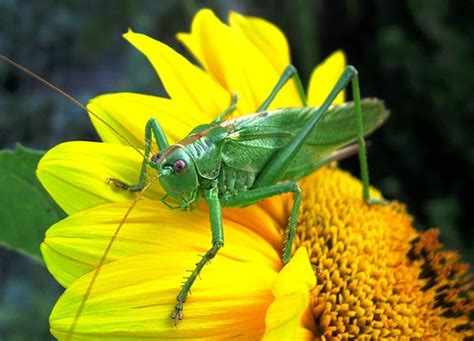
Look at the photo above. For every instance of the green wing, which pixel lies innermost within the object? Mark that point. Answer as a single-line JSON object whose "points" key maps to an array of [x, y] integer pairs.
{"points": [[254, 139]]}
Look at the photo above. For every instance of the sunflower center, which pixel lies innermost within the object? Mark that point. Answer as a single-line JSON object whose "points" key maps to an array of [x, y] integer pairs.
{"points": [[379, 277]]}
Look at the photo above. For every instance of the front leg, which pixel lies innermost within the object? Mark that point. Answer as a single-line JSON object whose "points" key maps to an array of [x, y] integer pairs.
{"points": [[215, 216], [152, 128]]}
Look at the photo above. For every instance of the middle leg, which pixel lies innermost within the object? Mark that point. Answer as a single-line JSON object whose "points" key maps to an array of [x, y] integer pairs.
{"points": [[255, 195]]}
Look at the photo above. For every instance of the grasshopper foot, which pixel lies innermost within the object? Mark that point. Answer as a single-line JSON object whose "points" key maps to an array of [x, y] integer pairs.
{"points": [[122, 185], [177, 314], [374, 201], [317, 271], [118, 183]]}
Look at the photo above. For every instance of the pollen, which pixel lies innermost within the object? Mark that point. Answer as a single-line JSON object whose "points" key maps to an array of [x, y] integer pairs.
{"points": [[377, 276]]}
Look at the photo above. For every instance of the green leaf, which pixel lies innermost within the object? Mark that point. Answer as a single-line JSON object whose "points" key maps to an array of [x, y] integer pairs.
{"points": [[26, 209]]}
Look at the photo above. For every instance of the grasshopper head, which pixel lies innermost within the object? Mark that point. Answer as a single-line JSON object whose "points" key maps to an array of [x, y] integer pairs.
{"points": [[178, 174]]}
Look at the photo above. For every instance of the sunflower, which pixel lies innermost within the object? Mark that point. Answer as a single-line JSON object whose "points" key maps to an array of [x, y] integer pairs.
{"points": [[378, 276]]}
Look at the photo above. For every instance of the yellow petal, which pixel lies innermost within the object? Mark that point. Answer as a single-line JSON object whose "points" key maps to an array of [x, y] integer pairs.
{"points": [[134, 297], [236, 63], [184, 82], [128, 114], [80, 240], [287, 317], [298, 268], [268, 218], [265, 36], [324, 77], [259, 220], [279, 208], [192, 43], [75, 174]]}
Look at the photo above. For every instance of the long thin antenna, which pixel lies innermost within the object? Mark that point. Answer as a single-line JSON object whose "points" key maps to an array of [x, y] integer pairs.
{"points": [[103, 259], [69, 97]]}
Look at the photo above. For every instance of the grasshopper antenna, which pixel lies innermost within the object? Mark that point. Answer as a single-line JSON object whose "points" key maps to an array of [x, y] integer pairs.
{"points": [[69, 97], [102, 260]]}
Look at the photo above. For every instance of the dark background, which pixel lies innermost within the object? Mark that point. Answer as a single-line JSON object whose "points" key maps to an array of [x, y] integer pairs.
{"points": [[416, 55]]}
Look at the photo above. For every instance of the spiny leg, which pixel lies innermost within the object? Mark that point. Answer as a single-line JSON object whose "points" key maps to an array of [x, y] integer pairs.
{"points": [[229, 110], [215, 215], [277, 166], [257, 194], [289, 72], [364, 168], [152, 128]]}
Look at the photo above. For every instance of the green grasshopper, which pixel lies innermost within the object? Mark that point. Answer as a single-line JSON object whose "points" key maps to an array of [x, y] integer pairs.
{"points": [[241, 161]]}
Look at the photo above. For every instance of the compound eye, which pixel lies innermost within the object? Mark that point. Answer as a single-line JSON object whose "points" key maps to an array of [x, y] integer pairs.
{"points": [[155, 157], [179, 166]]}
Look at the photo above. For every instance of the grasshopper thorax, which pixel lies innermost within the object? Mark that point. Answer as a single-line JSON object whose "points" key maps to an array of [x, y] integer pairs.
{"points": [[177, 174]]}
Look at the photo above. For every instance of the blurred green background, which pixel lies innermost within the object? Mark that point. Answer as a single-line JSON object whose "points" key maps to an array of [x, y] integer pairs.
{"points": [[416, 55]]}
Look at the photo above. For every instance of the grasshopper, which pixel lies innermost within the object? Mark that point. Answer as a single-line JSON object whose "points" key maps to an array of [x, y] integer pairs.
{"points": [[241, 161]]}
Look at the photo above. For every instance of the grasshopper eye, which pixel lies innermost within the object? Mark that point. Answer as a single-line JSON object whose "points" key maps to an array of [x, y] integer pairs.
{"points": [[179, 166], [155, 157]]}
